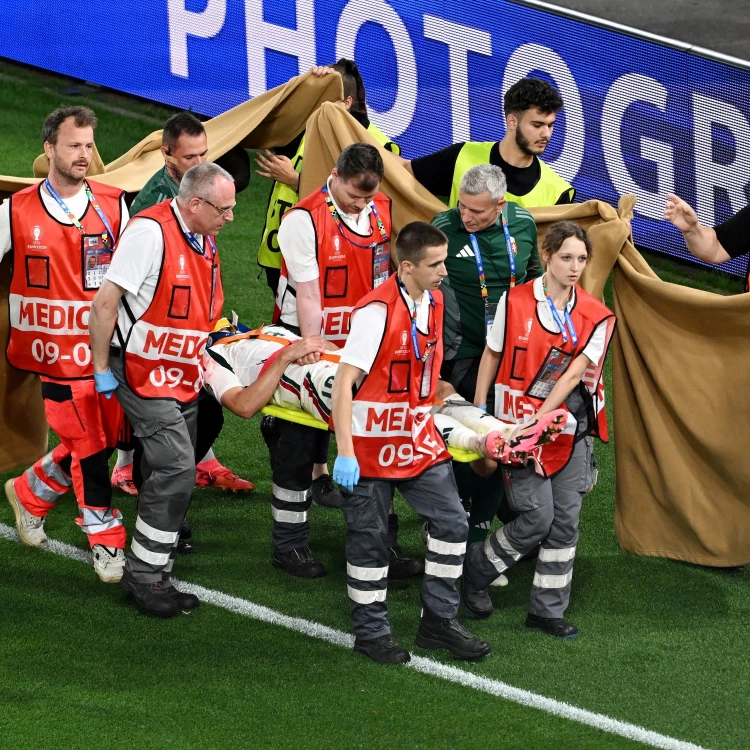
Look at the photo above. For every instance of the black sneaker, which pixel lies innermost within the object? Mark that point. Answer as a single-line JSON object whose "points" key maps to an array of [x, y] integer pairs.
{"points": [[400, 566], [150, 598], [299, 562], [185, 602], [325, 492], [185, 548], [552, 626], [186, 530], [383, 649], [447, 632], [475, 594], [269, 429], [477, 602]]}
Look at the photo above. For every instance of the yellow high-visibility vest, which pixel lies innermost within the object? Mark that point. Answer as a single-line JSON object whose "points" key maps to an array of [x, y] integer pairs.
{"points": [[283, 198], [545, 193]]}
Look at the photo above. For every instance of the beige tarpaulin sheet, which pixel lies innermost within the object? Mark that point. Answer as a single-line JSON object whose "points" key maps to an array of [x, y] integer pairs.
{"points": [[681, 389], [678, 355], [272, 119]]}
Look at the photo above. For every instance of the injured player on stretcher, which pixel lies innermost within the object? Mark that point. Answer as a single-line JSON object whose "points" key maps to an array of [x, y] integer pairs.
{"points": [[246, 370]]}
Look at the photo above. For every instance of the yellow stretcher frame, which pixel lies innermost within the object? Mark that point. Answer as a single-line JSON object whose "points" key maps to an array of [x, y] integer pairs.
{"points": [[302, 417]]}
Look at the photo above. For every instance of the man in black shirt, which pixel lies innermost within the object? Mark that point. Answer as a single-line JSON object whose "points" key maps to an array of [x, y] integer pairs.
{"points": [[531, 107], [712, 245]]}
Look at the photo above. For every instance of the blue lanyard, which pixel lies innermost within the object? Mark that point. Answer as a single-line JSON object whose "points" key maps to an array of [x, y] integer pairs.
{"points": [[77, 224], [414, 340], [509, 247], [192, 240], [560, 324]]}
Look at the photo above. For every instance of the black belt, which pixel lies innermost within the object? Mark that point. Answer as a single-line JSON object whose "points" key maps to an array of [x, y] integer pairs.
{"points": [[115, 351]]}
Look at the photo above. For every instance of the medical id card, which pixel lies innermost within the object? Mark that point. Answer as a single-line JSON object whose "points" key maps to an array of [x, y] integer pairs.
{"points": [[555, 364], [381, 264], [97, 256]]}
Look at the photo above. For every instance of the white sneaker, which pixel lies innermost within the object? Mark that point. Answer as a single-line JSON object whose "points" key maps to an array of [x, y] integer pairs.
{"points": [[109, 562], [30, 528], [501, 580]]}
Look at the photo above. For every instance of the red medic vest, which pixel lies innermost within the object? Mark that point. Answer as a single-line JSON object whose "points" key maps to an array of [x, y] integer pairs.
{"points": [[346, 272], [532, 353], [49, 299], [393, 431], [165, 345]]}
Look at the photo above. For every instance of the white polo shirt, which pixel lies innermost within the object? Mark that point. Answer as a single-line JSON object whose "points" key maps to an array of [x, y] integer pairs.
{"points": [[297, 242], [368, 327], [496, 338], [77, 204], [135, 268]]}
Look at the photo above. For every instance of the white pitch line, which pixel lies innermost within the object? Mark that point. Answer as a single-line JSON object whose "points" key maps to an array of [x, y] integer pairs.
{"points": [[419, 663]]}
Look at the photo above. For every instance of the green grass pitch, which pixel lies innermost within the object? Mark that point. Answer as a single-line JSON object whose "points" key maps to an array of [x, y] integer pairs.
{"points": [[663, 645]]}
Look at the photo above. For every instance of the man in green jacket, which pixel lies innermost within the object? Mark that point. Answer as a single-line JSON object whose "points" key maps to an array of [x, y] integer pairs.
{"points": [[492, 245]]}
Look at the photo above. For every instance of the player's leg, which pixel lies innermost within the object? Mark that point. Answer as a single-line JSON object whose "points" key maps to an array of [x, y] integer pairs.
{"points": [[208, 471]]}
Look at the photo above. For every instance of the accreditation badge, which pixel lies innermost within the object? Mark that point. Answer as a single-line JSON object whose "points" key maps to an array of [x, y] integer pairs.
{"points": [[97, 255], [381, 264], [555, 364]]}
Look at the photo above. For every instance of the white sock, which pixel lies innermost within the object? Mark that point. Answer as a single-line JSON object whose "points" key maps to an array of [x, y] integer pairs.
{"points": [[456, 435], [124, 458], [208, 457], [474, 418]]}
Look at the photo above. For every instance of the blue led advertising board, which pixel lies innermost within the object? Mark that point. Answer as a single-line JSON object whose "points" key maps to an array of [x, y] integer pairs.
{"points": [[638, 117]]}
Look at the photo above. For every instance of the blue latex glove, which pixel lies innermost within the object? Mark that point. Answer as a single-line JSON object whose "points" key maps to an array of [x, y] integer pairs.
{"points": [[346, 472], [105, 382]]}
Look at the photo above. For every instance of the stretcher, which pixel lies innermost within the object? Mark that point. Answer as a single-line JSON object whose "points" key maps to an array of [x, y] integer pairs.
{"points": [[302, 417], [297, 415]]}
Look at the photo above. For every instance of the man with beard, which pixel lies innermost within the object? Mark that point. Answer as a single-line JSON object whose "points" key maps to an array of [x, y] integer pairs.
{"points": [[62, 235], [531, 107]]}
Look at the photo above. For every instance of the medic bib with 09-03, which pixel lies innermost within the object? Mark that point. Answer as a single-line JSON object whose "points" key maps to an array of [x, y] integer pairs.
{"points": [[393, 432], [57, 270], [347, 272], [165, 345], [534, 359]]}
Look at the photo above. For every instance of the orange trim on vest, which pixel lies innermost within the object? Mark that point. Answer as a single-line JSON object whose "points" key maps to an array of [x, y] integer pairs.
{"points": [[256, 334], [393, 431], [49, 305], [346, 271], [165, 345]]}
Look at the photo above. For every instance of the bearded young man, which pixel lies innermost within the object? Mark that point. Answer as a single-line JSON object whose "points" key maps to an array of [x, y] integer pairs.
{"points": [[531, 108]]}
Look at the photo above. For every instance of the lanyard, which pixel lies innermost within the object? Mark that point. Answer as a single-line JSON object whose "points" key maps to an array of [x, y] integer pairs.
{"points": [[193, 242], [335, 214], [556, 316], [77, 224], [414, 340], [509, 246]]}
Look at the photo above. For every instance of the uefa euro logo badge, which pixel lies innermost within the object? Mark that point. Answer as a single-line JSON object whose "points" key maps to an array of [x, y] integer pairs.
{"points": [[182, 274], [37, 233]]}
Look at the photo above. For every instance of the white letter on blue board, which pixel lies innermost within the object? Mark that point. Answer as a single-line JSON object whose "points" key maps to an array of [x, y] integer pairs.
{"points": [[460, 40], [184, 23]]}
